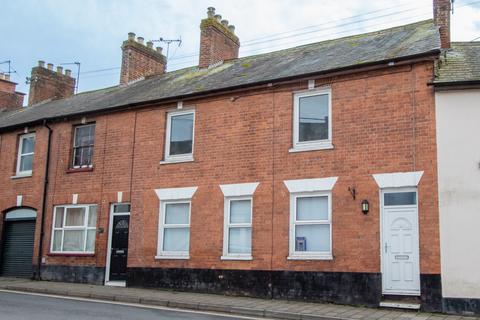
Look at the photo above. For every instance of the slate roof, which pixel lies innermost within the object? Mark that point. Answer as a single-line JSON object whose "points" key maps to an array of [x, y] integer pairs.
{"points": [[386, 45], [461, 64]]}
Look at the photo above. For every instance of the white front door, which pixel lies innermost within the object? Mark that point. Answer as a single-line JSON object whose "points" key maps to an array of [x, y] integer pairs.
{"points": [[400, 247]]}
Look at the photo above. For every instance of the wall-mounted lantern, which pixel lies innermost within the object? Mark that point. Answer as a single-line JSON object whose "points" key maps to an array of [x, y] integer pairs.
{"points": [[365, 206]]}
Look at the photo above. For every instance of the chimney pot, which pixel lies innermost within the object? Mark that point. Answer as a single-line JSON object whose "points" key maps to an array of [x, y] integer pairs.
{"points": [[68, 72], [50, 66], [211, 12], [218, 17], [7, 76], [231, 28], [41, 63], [60, 69], [2, 76], [150, 44], [159, 50], [131, 36], [140, 40], [225, 23]]}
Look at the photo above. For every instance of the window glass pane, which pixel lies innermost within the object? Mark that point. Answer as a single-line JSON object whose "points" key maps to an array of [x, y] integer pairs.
{"points": [[26, 163], [313, 113], [312, 237], [28, 145], [92, 216], [90, 241], [240, 211], [181, 134], [75, 217], [240, 240], [59, 217], [121, 208], [400, 198], [73, 240], [176, 239], [312, 208], [84, 135], [83, 156], [57, 240], [176, 213]]}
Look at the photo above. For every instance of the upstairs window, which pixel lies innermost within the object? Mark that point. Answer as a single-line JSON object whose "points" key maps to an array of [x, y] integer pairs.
{"points": [[74, 229], [312, 120], [179, 140], [26, 147], [83, 142]]}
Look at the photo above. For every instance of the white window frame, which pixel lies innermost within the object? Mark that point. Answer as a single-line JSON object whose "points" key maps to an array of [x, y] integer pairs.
{"points": [[85, 228], [20, 154], [173, 195], [162, 254], [312, 188], [228, 225], [74, 148], [309, 255], [179, 157], [299, 146]]}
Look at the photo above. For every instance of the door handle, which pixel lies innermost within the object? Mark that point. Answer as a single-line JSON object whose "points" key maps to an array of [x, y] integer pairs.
{"points": [[386, 247]]}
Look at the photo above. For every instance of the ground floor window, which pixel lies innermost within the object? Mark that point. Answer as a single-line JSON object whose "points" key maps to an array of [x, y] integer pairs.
{"points": [[74, 229]]}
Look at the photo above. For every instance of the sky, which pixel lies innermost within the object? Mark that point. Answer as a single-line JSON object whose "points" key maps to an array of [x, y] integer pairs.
{"points": [[92, 31]]}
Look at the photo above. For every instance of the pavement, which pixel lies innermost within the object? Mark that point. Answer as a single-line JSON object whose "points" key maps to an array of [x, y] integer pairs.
{"points": [[242, 306]]}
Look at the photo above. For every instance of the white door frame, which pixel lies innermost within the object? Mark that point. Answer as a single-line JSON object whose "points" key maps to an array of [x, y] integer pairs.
{"points": [[109, 245], [383, 258]]}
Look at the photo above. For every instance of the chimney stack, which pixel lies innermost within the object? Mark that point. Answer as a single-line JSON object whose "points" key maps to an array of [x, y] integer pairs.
{"points": [[47, 84], [9, 98], [140, 60], [218, 41], [441, 18]]}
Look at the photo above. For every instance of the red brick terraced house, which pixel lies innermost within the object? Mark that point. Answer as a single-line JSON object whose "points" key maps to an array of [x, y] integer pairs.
{"points": [[307, 173]]}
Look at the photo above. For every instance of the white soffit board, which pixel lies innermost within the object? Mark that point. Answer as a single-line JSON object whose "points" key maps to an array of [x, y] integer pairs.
{"points": [[175, 193], [310, 185], [239, 189], [398, 179]]}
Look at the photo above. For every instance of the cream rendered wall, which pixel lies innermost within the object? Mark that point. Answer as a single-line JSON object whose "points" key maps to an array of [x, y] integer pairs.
{"points": [[458, 139]]}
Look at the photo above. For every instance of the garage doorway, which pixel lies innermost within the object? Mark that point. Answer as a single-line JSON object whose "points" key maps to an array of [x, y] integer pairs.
{"points": [[17, 243]]}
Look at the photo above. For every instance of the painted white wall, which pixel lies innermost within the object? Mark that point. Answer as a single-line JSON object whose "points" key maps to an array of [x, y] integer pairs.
{"points": [[458, 139]]}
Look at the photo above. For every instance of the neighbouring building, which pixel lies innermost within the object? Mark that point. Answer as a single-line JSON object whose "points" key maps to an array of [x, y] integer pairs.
{"points": [[308, 173], [457, 99]]}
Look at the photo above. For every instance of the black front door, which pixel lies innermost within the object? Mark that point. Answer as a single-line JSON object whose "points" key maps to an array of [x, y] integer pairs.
{"points": [[118, 255]]}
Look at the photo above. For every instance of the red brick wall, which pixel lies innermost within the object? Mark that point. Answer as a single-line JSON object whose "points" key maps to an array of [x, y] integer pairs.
{"points": [[246, 139]]}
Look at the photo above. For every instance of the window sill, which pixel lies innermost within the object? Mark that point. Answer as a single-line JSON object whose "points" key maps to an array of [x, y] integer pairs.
{"points": [[20, 175], [312, 147], [177, 160], [310, 257], [74, 170], [238, 257], [70, 254], [172, 257]]}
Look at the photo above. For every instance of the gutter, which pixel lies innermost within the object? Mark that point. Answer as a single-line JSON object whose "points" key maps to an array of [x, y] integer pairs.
{"points": [[455, 85], [250, 86], [44, 201]]}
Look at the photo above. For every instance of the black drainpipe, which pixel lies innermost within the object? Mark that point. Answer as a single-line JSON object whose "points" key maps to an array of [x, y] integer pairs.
{"points": [[44, 201]]}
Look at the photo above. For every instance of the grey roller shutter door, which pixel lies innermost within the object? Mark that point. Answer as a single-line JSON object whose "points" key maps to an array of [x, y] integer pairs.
{"points": [[17, 253]]}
